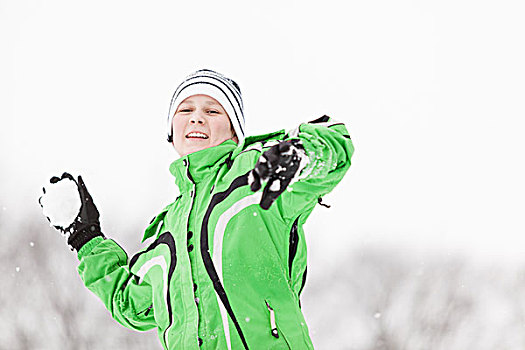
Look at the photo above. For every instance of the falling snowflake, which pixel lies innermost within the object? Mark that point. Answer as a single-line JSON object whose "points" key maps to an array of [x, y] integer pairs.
{"points": [[377, 315]]}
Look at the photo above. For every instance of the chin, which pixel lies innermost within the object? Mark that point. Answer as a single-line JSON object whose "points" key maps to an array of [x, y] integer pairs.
{"points": [[194, 149]]}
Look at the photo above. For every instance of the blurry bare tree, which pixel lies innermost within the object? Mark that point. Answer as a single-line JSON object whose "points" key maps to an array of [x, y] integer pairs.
{"points": [[383, 299], [375, 299], [43, 303]]}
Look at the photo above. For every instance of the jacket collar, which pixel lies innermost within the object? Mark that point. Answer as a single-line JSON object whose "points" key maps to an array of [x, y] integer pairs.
{"points": [[199, 164]]}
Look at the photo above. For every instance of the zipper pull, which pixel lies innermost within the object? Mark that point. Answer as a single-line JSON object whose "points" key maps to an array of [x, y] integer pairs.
{"points": [[148, 310], [273, 325]]}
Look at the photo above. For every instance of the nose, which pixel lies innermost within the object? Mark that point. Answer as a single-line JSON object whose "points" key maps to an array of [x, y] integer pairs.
{"points": [[196, 118]]}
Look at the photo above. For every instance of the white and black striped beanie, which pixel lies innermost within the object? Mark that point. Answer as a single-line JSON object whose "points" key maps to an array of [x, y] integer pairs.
{"points": [[223, 89]]}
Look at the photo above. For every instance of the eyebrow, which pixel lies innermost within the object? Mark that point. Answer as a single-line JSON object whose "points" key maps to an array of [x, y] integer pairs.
{"points": [[207, 102]]}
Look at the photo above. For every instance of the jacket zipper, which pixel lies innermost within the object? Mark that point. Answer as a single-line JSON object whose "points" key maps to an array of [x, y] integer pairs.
{"points": [[193, 195], [273, 325]]}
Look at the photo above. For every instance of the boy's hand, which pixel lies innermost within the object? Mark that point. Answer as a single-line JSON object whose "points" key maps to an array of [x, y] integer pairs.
{"points": [[69, 208], [279, 166]]}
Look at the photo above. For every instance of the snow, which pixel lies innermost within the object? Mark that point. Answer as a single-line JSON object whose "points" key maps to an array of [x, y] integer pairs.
{"points": [[61, 203], [304, 160], [31, 244], [276, 186], [251, 179]]}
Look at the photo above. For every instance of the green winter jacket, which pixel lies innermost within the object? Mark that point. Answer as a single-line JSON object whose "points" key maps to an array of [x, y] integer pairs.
{"points": [[222, 273]]}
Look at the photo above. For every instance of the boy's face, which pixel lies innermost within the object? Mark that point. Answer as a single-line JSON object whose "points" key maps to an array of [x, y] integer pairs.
{"points": [[198, 123]]}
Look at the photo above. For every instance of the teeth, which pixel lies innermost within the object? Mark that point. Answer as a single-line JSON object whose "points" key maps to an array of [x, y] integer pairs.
{"points": [[197, 134]]}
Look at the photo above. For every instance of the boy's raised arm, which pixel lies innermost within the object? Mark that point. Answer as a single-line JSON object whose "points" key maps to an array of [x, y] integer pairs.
{"points": [[306, 164], [103, 263]]}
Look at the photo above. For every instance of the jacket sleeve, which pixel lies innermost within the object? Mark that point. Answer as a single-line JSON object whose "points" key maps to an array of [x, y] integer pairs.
{"points": [[104, 270], [329, 149]]}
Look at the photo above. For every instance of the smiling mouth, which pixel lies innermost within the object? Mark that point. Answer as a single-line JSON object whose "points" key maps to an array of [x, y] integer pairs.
{"points": [[197, 135]]}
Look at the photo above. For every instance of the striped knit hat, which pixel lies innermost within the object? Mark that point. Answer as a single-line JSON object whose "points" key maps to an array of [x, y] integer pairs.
{"points": [[213, 84]]}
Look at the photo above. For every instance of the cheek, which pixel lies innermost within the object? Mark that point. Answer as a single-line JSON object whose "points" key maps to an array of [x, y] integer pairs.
{"points": [[221, 128], [178, 131], [177, 126]]}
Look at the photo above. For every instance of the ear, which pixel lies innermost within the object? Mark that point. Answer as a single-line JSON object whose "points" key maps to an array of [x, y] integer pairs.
{"points": [[234, 137]]}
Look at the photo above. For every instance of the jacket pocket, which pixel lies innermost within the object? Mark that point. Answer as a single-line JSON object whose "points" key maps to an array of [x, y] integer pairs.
{"points": [[275, 331]]}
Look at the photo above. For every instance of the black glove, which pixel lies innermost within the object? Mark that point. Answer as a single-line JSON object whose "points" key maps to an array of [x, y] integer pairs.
{"points": [[279, 166], [60, 203]]}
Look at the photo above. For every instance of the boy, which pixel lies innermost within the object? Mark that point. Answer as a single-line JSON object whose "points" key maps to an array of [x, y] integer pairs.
{"points": [[228, 262]]}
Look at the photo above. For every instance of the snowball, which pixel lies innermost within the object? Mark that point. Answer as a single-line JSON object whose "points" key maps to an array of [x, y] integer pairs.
{"points": [[61, 202]]}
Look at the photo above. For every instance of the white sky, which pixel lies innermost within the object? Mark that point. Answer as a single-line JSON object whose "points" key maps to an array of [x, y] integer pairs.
{"points": [[431, 92]]}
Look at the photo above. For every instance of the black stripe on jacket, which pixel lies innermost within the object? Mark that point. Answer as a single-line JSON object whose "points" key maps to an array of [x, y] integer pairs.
{"points": [[165, 238], [205, 251]]}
